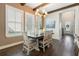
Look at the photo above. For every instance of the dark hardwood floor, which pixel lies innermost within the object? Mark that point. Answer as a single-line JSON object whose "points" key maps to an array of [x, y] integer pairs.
{"points": [[62, 47]]}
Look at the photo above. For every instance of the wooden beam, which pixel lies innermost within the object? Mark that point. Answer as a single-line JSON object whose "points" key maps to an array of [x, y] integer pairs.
{"points": [[72, 5], [41, 5], [22, 4]]}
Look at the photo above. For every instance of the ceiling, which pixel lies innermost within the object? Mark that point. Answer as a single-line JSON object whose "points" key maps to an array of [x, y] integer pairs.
{"points": [[33, 5], [49, 6], [54, 6]]}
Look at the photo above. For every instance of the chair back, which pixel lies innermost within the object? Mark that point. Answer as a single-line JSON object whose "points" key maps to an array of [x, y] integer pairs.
{"points": [[26, 40], [45, 36], [50, 35]]}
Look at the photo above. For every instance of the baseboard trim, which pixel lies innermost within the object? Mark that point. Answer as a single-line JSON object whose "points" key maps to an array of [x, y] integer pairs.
{"points": [[10, 45]]}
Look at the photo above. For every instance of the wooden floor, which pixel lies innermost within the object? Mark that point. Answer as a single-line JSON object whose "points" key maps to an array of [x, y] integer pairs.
{"points": [[62, 47]]}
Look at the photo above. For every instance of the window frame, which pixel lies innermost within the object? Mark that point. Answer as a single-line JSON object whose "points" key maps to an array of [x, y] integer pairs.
{"points": [[6, 21]]}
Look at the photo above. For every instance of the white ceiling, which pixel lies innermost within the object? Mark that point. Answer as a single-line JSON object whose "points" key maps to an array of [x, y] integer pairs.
{"points": [[33, 5], [49, 7], [54, 6]]}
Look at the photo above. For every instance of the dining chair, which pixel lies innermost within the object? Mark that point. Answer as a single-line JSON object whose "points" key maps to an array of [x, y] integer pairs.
{"points": [[44, 42], [76, 41], [50, 38], [28, 45]]}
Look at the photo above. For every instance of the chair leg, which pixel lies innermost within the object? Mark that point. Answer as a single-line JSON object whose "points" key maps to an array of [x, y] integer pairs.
{"points": [[28, 52], [37, 48], [43, 48]]}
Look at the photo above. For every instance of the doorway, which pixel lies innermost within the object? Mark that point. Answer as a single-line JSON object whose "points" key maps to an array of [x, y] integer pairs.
{"points": [[68, 22]]}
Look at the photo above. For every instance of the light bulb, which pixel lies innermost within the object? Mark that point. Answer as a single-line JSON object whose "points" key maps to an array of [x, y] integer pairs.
{"points": [[37, 10]]}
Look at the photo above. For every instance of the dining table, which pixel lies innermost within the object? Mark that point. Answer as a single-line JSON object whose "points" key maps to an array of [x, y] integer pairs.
{"points": [[36, 38]]}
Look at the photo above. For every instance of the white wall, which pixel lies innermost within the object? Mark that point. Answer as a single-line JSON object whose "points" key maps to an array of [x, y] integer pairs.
{"points": [[56, 16], [76, 11], [77, 21]]}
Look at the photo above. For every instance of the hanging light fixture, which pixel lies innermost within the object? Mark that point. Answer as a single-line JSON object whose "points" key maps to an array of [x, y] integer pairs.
{"points": [[36, 12], [45, 13], [41, 12]]}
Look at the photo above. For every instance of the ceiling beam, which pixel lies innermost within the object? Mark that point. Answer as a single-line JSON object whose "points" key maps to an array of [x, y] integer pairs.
{"points": [[72, 5], [39, 6], [22, 4]]}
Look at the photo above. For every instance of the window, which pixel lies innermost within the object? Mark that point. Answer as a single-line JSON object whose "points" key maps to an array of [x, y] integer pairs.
{"points": [[14, 19], [39, 24], [50, 23], [29, 24]]}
